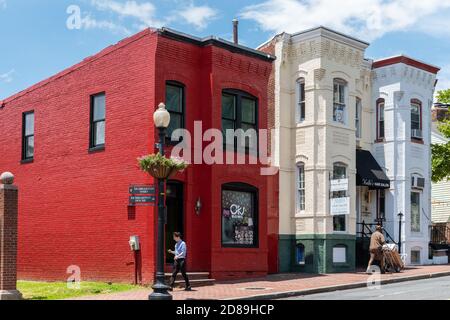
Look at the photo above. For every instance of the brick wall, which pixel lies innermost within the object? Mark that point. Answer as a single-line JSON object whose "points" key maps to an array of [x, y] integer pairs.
{"points": [[8, 238]]}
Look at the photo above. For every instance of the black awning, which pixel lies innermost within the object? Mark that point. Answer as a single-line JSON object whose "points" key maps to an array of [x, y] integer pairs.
{"points": [[369, 172]]}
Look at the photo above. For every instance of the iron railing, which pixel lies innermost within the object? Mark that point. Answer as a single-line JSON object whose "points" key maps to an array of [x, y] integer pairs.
{"points": [[367, 229]]}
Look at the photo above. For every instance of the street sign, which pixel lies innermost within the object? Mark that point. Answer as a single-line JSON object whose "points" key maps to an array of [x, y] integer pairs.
{"points": [[143, 200], [150, 189]]}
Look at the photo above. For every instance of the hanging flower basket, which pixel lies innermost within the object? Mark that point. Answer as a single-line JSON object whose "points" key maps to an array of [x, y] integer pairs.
{"points": [[160, 167]]}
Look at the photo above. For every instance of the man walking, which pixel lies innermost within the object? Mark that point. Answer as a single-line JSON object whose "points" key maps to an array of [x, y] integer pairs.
{"points": [[179, 261], [376, 248]]}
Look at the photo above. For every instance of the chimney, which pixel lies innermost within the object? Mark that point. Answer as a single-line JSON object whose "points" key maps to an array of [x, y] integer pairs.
{"points": [[236, 31]]}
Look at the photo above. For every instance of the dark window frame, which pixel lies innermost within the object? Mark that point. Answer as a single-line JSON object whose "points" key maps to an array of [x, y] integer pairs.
{"points": [[242, 187], [25, 137], [92, 125], [181, 86], [418, 103], [239, 95]]}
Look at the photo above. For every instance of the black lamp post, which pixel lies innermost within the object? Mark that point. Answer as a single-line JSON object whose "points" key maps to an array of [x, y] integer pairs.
{"points": [[160, 290], [400, 216]]}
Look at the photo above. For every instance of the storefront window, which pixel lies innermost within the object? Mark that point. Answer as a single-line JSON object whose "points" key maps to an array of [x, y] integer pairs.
{"points": [[239, 216]]}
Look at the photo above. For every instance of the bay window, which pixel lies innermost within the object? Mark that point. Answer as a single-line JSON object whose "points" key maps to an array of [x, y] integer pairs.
{"points": [[300, 187], [358, 111], [339, 220], [415, 212]]}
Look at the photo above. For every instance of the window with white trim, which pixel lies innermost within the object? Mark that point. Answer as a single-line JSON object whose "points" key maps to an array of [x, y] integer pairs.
{"points": [[358, 111], [301, 100], [339, 221], [339, 98], [301, 187], [415, 211], [380, 119], [416, 119]]}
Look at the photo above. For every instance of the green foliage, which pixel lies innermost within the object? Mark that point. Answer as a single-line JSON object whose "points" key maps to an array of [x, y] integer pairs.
{"points": [[157, 160], [443, 96], [441, 152]]}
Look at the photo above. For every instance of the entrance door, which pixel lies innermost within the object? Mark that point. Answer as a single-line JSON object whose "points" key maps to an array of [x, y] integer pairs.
{"points": [[175, 215]]}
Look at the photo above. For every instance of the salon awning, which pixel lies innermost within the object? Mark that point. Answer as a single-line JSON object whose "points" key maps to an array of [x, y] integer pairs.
{"points": [[369, 172]]}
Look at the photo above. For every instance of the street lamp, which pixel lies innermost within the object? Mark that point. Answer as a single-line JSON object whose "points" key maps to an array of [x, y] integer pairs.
{"points": [[160, 290], [400, 216]]}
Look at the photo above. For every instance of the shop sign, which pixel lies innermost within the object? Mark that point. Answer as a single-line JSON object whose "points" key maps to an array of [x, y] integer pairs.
{"points": [[339, 185], [340, 206]]}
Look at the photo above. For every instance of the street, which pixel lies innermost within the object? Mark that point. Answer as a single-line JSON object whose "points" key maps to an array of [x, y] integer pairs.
{"points": [[429, 289]]}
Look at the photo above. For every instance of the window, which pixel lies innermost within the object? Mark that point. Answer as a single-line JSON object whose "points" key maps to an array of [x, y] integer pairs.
{"points": [[415, 256], [300, 254], [301, 187], [339, 221], [239, 111], [175, 102], [358, 112], [415, 212], [380, 119], [381, 215], [339, 254], [416, 119], [339, 89], [239, 215], [28, 136], [301, 100], [98, 120]]}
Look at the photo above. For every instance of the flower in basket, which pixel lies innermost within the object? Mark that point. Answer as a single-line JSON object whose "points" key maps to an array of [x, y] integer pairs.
{"points": [[161, 167]]}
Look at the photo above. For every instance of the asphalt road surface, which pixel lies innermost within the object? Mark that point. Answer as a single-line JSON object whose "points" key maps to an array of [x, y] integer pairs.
{"points": [[429, 289]]}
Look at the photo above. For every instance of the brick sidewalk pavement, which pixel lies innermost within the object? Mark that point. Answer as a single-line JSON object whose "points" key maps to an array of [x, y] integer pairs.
{"points": [[273, 284]]}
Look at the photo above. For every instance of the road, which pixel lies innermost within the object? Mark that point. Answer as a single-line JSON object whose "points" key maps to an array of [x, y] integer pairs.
{"points": [[429, 289]]}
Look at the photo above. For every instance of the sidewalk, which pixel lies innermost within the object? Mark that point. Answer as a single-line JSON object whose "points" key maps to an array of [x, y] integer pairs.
{"points": [[283, 285]]}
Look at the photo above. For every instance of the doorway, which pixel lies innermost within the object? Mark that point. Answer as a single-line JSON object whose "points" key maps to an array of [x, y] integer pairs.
{"points": [[175, 214]]}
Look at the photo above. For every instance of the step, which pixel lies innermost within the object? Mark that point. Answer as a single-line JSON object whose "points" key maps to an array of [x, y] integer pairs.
{"points": [[195, 283], [191, 275]]}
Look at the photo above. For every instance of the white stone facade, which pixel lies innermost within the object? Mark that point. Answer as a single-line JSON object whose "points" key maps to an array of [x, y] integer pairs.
{"points": [[317, 140]]}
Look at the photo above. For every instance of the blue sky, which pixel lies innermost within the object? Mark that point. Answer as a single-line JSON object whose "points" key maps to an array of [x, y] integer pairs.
{"points": [[36, 42]]}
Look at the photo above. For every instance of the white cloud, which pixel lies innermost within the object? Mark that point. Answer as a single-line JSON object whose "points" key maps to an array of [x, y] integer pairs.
{"points": [[88, 22], [7, 77], [366, 19], [198, 16], [143, 12]]}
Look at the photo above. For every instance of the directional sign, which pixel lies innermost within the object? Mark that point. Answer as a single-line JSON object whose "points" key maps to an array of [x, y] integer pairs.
{"points": [[150, 189], [143, 200]]}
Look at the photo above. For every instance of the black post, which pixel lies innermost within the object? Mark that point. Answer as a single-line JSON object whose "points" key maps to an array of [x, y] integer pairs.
{"points": [[160, 289], [400, 215]]}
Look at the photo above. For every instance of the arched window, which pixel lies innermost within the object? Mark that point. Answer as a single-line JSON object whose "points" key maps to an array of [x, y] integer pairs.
{"points": [[416, 119], [358, 117], [339, 101], [239, 215], [301, 100], [380, 119], [300, 187], [300, 254], [175, 104]]}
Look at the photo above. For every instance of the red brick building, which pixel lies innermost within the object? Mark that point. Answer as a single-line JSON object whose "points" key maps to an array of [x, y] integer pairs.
{"points": [[72, 142]]}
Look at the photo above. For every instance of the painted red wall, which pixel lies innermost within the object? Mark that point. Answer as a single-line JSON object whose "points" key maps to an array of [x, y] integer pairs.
{"points": [[74, 204]]}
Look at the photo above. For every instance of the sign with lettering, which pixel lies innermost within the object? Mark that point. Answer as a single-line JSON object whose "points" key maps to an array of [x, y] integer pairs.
{"points": [[339, 185], [340, 206], [150, 189], [142, 200]]}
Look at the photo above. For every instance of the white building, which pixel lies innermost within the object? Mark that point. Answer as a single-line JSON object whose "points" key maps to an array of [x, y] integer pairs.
{"points": [[353, 146]]}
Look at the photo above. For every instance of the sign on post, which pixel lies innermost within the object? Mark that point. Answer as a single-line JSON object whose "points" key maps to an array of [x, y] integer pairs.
{"points": [[142, 195]]}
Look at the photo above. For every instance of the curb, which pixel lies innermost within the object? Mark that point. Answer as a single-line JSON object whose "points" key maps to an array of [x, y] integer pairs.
{"points": [[355, 285]]}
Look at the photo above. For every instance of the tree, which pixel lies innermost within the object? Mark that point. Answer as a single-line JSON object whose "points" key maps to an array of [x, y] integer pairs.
{"points": [[441, 152]]}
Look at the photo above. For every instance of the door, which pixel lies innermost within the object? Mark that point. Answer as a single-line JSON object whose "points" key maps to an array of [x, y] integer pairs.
{"points": [[175, 215]]}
